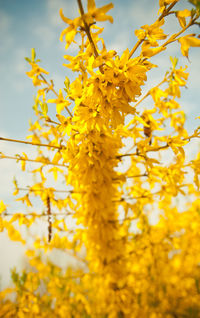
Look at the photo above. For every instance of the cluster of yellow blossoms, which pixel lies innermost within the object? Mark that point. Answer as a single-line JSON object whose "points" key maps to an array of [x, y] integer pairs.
{"points": [[128, 265]]}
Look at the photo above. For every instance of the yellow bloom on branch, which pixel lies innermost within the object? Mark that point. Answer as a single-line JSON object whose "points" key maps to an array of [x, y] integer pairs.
{"points": [[187, 42], [35, 73], [60, 102]]}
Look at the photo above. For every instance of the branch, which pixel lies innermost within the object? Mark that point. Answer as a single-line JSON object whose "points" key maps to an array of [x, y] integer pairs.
{"points": [[164, 14], [135, 47], [87, 28], [138, 175], [166, 11], [142, 196], [48, 120], [37, 214], [53, 90], [49, 219], [42, 190], [149, 91], [129, 155], [87, 31], [30, 143], [167, 145], [32, 160], [174, 36]]}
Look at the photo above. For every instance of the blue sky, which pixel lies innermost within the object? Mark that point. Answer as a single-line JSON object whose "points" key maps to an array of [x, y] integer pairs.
{"points": [[26, 24]]}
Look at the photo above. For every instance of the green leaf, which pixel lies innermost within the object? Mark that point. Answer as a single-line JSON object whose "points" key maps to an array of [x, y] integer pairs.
{"points": [[44, 108], [14, 276], [35, 106], [27, 59], [23, 277], [33, 55], [67, 85], [174, 61]]}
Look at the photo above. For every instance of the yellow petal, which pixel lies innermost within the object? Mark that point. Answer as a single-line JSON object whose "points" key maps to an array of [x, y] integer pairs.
{"points": [[152, 51], [65, 19], [2, 207], [186, 42], [183, 13], [91, 5]]}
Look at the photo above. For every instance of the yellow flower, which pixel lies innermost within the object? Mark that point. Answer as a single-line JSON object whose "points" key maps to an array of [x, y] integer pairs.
{"points": [[3, 207], [35, 73], [188, 41], [99, 14], [94, 14], [60, 102]]}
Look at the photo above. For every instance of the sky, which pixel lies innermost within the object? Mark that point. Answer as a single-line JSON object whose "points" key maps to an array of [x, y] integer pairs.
{"points": [[26, 24]]}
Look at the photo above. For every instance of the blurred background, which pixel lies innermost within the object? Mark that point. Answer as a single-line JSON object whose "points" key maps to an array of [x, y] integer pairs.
{"points": [[26, 24]]}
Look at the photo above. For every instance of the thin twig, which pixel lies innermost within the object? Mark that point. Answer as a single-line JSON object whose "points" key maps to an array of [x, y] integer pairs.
{"points": [[53, 90], [30, 143], [166, 11], [130, 154], [135, 47], [87, 31], [37, 214], [174, 36], [31, 160], [87, 28], [137, 176], [167, 145], [48, 120], [49, 219], [42, 190], [149, 91], [142, 196]]}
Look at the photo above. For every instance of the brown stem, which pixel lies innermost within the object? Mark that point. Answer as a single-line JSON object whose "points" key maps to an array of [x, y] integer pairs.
{"points": [[142, 196], [149, 91], [42, 190], [31, 160], [48, 120], [166, 11], [174, 36], [135, 47], [53, 90], [30, 143], [87, 31], [49, 219], [37, 214], [137, 176], [130, 154], [156, 148]]}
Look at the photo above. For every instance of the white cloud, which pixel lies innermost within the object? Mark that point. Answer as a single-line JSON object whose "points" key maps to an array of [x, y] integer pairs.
{"points": [[58, 81], [47, 31], [46, 34], [5, 24], [18, 80], [69, 9], [120, 43], [20, 63], [5, 21]]}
